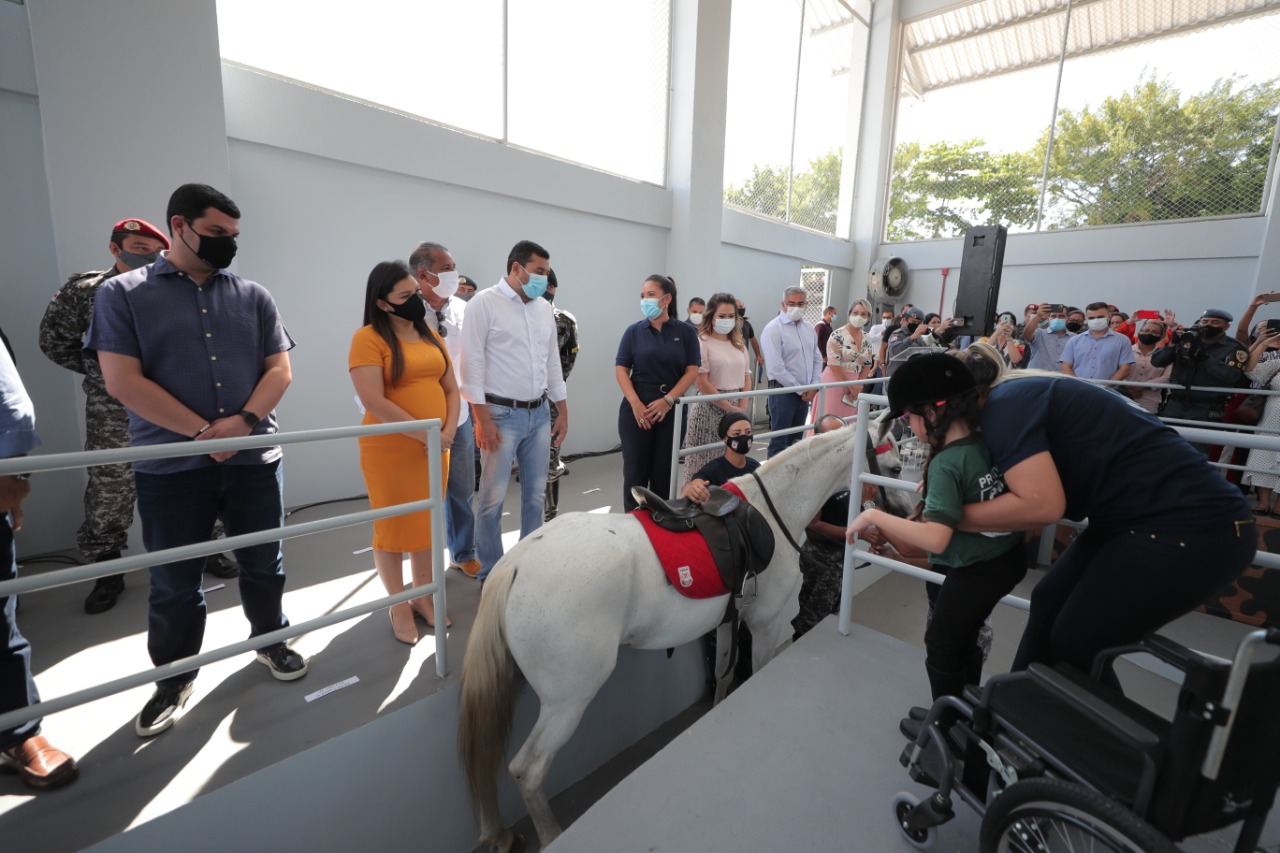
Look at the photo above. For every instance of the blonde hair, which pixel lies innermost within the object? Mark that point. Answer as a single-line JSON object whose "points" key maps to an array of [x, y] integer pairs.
{"points": [[864, 303]]}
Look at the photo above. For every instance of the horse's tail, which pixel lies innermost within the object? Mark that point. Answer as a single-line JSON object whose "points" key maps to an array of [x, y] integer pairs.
{"points": [[486, 700]]}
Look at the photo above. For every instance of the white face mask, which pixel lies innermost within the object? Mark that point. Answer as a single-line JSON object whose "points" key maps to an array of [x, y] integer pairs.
{"points": [[695, 319], [447, 284], [794, 314], [724, 325], [857, 321], [1097, 324]]}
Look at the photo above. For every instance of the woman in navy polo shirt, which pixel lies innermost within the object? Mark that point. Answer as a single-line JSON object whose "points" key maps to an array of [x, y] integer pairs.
{"points": [[1166, 530], [658, 359]]}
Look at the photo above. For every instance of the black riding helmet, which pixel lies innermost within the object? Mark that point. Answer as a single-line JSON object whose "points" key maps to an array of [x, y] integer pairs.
{"points": [[928, 379]]}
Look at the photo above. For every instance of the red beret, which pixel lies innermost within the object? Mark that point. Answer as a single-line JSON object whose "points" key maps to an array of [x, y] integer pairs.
{"points": [[140, 228]]}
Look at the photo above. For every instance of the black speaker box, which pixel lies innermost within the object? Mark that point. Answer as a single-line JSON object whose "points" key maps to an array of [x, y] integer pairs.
{"points": [[980, 266]]}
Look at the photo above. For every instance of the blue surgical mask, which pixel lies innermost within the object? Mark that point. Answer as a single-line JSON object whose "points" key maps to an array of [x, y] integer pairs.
{"points": [[535, 286], [1057, 324], [650, 308]]}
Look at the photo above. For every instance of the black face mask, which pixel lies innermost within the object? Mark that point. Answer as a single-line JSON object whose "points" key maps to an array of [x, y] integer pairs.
{"points": [[742, 312], [217, 252], [1211, 332], [1074, 326], [549, 296], [739, 443], [1148, 339], [911, 327], [412, 309]]}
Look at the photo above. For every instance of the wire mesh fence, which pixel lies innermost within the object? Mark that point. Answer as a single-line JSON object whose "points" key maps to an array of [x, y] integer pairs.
{"points": [[791, 69], [1102, 113]]}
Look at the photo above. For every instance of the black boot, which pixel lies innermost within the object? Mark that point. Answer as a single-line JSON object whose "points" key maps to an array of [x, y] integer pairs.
{"points": [[553, 500], [106, 590]]}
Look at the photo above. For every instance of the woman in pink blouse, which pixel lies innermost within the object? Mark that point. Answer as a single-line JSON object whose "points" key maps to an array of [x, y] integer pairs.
{"points": [[726, 367]]}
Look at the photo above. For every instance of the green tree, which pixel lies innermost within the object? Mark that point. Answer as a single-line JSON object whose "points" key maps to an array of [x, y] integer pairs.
{"points": [[815, 193], [1149, 155], [941, 189]]}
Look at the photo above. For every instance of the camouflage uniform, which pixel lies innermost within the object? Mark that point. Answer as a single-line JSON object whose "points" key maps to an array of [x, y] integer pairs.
{"points": [[567, 342], [109, 497]]}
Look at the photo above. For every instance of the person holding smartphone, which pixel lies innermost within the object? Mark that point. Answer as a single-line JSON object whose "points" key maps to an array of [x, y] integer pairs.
{"points": [[1046, 336]]}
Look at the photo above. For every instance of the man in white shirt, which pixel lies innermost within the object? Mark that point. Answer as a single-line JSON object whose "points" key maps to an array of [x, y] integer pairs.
{"points": [[791, 359], [510, 368], [437, 276]]}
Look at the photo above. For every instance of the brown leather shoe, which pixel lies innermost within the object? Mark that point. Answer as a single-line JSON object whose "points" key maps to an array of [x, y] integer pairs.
{"points": [[40, 764]]}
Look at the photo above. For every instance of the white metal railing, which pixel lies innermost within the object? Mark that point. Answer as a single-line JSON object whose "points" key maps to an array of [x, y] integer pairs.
{"points": [[858, 476], [76, 574], [682, 403]]}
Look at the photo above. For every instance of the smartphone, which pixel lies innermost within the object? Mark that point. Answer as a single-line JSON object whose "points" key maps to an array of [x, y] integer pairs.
{"points": [[1273, 327]]}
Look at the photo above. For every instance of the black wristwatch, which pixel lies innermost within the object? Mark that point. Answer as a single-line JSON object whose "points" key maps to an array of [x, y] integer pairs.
{"points": [[250, 418]]}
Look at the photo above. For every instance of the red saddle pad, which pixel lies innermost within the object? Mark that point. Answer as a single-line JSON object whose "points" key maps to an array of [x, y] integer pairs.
{"points": [[685, 557]]}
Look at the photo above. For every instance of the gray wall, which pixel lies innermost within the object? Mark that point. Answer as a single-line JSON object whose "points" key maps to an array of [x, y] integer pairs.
{"points": [[330, 185]]}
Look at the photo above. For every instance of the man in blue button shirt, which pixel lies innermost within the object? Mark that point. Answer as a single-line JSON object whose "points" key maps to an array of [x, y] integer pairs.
{"points": [[791, 358], [195, 352]]}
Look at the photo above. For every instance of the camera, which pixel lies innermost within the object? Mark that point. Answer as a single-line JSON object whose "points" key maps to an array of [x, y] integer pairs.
{"points": [[1188, 342]]}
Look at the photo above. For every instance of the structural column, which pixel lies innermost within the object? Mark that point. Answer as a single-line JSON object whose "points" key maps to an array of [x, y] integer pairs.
{"points": [[695, 159]]}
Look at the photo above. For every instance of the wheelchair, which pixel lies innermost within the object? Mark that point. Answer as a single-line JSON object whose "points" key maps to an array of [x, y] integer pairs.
{"points": [[1052, 760]]}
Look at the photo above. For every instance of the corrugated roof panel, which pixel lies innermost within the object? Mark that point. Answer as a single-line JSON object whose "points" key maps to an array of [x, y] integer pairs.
{"points": [[993, 37]]}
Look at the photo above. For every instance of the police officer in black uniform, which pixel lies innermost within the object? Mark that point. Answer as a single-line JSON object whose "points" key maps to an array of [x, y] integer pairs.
{"points": [[1202, 355]]}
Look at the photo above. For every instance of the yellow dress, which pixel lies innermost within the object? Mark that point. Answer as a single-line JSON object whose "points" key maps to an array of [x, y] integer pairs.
{"points": [[395, 465]]}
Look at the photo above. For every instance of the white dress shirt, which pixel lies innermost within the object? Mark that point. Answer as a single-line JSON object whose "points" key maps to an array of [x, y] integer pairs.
{"points": [[454, 309], [509, 347]]}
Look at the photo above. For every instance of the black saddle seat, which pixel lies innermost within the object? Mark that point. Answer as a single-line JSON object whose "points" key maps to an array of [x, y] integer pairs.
{"points": [[672, 514], [738, 536]]}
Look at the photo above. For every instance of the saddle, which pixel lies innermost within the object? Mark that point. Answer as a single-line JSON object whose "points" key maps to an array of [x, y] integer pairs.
{"points": [[739, 538]]}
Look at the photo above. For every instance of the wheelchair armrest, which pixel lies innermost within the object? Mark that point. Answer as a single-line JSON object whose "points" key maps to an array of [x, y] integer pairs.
{"points": [[1084, 698], [1175, 654]]}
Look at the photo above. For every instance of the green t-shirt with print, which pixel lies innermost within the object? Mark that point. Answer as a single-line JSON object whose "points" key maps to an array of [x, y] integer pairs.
{"points": [[963, 473]]}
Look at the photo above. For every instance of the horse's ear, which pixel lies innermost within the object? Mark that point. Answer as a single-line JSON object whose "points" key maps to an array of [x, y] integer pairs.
{"points": [[880, 427]]}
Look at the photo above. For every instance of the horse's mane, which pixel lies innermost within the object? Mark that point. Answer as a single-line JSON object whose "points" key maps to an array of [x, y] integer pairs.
{"points": [[806, 448]]}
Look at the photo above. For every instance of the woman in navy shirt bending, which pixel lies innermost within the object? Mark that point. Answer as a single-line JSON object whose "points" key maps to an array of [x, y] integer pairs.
{"points": [[658, 359], [1166, 530]]}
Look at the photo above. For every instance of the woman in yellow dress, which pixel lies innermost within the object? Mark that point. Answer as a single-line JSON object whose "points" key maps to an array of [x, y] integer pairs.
{"points": [[401, 372]]}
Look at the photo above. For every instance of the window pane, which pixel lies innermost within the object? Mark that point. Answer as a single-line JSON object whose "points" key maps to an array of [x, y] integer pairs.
{"points": [[964, 152], [832, 57], [1174, 127], [436, 59], [589, 82], [763, 40]]}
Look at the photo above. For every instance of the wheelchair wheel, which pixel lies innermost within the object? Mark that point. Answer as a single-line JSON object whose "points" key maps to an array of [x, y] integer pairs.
{"points": [[921, 839], [1045, 815]]}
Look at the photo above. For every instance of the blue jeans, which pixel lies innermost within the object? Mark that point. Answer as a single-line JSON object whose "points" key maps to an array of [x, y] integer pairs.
{"points": [[179, 509], [785, 410], [459, 520], [17, 687], [526, 439]]}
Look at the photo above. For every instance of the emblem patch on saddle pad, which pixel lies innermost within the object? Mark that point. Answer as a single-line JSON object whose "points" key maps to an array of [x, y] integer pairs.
{"points": [[686, 576]]}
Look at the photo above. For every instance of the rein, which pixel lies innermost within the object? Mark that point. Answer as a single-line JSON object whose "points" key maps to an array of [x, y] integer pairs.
{"points": [[773, 510]]}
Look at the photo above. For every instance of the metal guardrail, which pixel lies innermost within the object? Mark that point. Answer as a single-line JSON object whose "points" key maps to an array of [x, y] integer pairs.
{"points": [[678, 452], [858, 476], [62, 577]]}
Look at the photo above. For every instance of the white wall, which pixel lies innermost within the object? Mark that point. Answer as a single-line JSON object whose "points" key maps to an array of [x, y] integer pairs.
{"points": [[329, 186], [1185, 266]]}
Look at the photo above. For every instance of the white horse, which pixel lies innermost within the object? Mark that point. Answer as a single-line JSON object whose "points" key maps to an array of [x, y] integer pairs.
{"points": [[560, 603]]}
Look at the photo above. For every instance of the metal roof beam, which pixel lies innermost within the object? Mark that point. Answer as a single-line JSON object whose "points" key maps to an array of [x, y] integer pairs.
{"points": [[1000, 25], [1101, 49]]}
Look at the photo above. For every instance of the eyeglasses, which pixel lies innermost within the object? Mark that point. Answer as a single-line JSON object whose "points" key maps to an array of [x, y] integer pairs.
{"points": [[441, 330]]}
